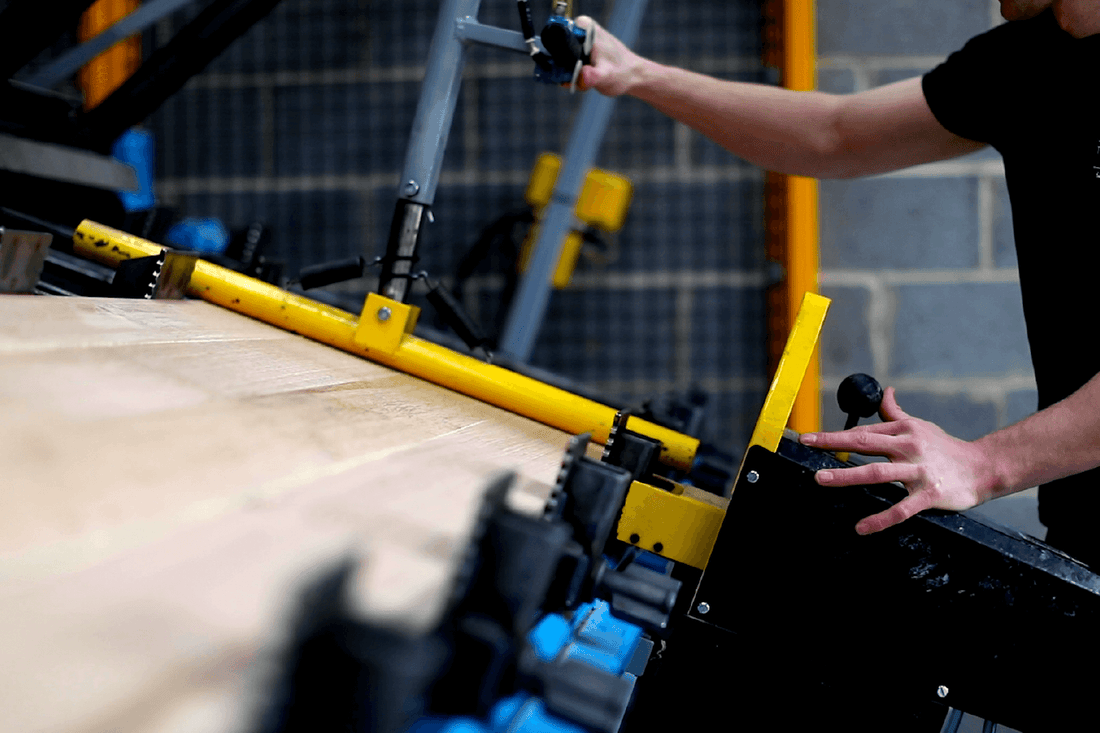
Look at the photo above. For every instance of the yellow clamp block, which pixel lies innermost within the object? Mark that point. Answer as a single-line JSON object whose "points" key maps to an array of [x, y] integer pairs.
{"points": [[676, 526], [567, 261], [603, 203], [384, 322]]}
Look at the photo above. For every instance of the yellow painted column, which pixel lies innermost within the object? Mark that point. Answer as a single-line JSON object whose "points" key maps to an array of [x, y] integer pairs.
{"points": [[800, 73], [106, 72]]}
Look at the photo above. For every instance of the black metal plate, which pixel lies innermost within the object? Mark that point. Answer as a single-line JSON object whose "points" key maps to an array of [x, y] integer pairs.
{"points": [[1007, 625]]}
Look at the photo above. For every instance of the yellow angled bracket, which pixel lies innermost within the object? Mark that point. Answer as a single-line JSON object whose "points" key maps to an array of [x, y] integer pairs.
{"points": [[792, 368], [384, 322], [675, 526]]}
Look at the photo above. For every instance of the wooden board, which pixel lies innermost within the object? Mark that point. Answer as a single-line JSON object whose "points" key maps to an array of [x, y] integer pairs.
{"points": [[173, 473]]}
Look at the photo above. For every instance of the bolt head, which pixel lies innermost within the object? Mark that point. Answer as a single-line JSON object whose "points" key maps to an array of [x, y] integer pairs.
{"points": [[941, 691], [752, 477], [411, 188], [703, 607], [384, 313]]}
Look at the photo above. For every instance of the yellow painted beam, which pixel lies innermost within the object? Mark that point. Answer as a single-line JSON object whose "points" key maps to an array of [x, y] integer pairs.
{"points": [[797, 357], [675, 526], [494, 385]]}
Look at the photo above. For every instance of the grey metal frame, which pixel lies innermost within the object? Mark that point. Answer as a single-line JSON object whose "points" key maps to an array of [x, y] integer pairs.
{"points": [[457, 26], [533, 296]]}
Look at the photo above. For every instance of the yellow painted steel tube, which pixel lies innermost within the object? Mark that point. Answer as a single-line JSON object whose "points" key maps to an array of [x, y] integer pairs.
{"points": [[800, 73], [439, 365]]}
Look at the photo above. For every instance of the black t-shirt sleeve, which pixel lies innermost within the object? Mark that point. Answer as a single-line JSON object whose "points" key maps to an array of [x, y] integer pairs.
{"points": [[968, 92]]}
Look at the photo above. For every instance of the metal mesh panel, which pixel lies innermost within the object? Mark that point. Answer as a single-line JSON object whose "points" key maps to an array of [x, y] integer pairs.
{"points": [[302, 124]]}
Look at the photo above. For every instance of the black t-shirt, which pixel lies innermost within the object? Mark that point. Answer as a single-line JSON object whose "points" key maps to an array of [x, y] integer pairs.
{"points": [[1032, 91]]}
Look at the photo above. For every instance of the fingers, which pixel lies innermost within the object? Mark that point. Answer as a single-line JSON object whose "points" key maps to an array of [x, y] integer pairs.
{"points": [[588, 79], [896, 514], [870, 440], [889, 409], [870, 474]]}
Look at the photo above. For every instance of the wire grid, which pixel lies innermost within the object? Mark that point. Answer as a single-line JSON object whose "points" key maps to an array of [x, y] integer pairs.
{"points": [[302, 124]]}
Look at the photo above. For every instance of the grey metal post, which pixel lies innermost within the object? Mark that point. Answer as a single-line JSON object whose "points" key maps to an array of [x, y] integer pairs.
{"points": [[525, 317], [427, 143], [438, 99]]}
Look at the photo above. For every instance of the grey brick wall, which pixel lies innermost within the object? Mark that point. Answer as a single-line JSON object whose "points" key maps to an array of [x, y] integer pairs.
{"points": [[920, 263]]}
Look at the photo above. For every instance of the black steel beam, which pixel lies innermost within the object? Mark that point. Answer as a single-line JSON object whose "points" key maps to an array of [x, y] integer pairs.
{"points": [[27, 27]]}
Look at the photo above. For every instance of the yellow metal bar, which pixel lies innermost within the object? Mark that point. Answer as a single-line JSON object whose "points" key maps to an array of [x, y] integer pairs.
{"points": [[675, 526], [801, 345], [800, 73], [495, 385]]}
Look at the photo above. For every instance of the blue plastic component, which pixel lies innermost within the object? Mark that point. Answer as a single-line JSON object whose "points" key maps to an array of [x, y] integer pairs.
{"points": [[602, 640], [136, 148], [654, 562], [558, 74], [593, 636], [549, 636], [456, 724], [199, 235], [526, 714]]}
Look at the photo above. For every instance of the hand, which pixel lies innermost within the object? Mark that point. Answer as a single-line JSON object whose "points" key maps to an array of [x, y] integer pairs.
{"points": [[938, 470], [613, 67]]}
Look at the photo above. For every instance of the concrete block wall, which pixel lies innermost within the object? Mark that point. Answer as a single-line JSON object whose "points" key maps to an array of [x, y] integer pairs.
{"points": [[920, 263]]}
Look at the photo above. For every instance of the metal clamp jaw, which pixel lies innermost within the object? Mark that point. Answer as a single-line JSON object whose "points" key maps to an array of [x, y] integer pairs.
{"points": [[568, 46]]}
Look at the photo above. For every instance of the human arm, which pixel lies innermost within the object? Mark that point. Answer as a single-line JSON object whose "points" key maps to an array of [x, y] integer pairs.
{"points": [[943, 472], [803, 133]]}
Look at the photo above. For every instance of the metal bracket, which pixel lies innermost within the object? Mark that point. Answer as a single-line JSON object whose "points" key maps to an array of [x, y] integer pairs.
{"points": [[384, 323], [156, 277], [69, 165], [22, 256]]}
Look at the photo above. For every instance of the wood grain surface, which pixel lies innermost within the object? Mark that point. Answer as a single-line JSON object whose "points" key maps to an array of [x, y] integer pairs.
{"points": [[172, 474]]}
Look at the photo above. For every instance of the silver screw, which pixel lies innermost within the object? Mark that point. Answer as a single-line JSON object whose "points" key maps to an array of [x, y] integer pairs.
{"points": [[752, 477], [703, 607], [941, 691], [384, 313], [411, 188]]}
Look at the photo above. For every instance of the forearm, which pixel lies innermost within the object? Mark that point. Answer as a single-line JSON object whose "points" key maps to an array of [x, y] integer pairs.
{"points": [[776, 129], [1059, 441]]}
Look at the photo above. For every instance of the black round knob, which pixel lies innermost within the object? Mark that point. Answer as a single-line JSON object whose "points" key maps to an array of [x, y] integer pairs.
{"points": [[859, 395]]}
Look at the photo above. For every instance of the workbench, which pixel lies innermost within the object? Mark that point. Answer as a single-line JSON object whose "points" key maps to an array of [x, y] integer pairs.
{"points": [[174, 473]]}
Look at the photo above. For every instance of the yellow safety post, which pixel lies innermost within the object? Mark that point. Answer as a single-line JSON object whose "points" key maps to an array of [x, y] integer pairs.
{"points": [[791, 202], [800, 74], [106, 72], [793, 368], [494, 385]]}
